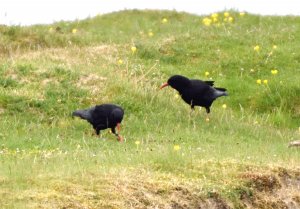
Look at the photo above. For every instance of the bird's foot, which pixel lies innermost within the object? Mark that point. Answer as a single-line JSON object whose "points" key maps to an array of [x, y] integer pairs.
{"points": [[120, 138]]}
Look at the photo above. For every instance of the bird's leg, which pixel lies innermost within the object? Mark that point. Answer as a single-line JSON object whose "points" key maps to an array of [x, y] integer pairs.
{"points": [[97, 131], [113, 130], [98, 128], [120, 138], [192, 109], [207, 111], [191, 112]]}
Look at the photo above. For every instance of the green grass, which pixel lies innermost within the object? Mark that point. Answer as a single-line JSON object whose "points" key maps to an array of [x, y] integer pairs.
{"points": [[50, 160]]}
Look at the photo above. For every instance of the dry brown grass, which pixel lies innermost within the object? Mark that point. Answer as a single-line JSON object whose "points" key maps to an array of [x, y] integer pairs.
{"points": [[73, 56], [140, 188]]}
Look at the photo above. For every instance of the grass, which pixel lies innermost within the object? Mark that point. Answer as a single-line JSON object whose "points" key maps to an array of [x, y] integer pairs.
{"points": [[50, 160]]}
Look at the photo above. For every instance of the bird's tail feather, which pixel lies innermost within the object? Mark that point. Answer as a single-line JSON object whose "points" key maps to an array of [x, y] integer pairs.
{"points": [[76, 113], [220, 92], [83, 114], [221, 89]]}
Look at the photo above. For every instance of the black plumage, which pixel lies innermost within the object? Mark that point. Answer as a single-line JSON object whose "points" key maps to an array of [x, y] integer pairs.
{"points": [[195, 92], [102, 117]]}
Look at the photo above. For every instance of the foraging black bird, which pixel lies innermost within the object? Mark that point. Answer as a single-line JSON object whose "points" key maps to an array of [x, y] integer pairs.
{"points": [[102, 117], [195, 92]]}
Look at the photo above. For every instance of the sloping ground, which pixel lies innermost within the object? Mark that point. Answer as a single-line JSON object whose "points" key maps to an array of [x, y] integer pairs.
{"points": [[256, 188], [239, 159], [277, 188]]}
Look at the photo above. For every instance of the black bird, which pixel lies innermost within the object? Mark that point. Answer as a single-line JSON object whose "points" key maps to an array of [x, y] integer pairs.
{"points": [[102, 117], [195, 92]]}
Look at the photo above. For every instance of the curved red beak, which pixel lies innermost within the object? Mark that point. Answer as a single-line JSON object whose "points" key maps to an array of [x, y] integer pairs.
{"points": [[163, 86]]}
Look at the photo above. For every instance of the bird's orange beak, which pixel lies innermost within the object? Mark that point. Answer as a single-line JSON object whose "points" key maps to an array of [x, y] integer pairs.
{"points": [[163, 86]]}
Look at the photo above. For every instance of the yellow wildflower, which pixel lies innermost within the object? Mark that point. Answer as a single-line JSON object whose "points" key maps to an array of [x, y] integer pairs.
{"points": [[256, 48], [206, 21], [133, 49], [274, 46], [176, 96], [252, 70], [226, 14], [74, 30], [265, 81], [242, 14], [274, 72], [150, 34], [137, 143], [207, 119], [206, 73], [120, 61], [177, 147], [224, 106], [215, 15], [230, 19], [164, 20], [258, 81], [50, 29], [215, 19]]}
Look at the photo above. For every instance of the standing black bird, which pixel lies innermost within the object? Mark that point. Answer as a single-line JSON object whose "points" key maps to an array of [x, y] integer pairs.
{"points": [[102, 117], [195, 92]]}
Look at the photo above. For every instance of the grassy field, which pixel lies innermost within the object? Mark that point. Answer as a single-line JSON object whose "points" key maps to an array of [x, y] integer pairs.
{"points": [[171, 159]]}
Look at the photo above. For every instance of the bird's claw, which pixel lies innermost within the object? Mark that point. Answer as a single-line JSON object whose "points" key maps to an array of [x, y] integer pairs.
{"points": [[120, 139]]}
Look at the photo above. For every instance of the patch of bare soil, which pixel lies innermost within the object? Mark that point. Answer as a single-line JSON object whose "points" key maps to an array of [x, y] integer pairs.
{"points": [[279, 189], [92, 82]]}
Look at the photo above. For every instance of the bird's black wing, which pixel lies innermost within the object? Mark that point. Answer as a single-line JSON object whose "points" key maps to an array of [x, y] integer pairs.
{"points": [[200, 92], [100, 115], [199, 87], [211, 83], [108, 115], [196, 90]]}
